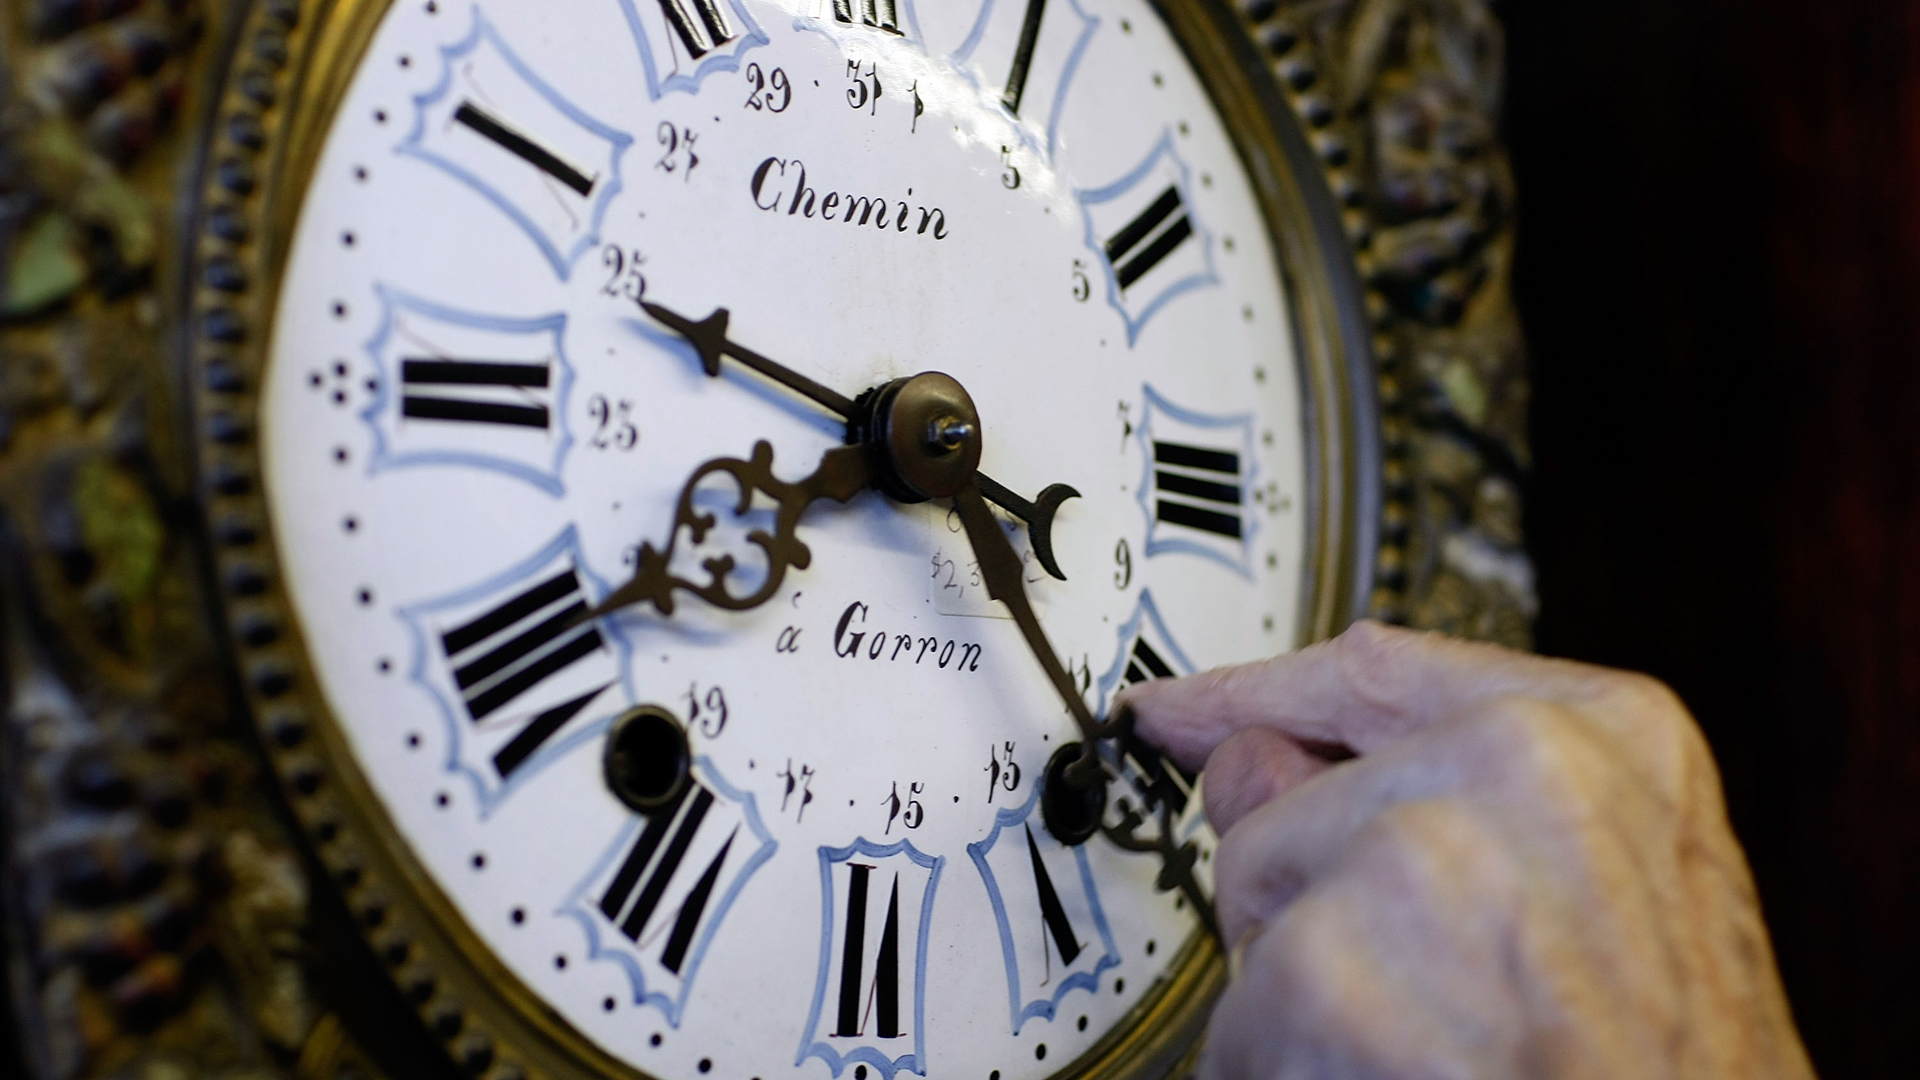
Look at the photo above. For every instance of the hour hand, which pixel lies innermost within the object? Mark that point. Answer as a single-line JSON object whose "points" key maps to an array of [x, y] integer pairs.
{"points": [[709, 338], [843, 472]]}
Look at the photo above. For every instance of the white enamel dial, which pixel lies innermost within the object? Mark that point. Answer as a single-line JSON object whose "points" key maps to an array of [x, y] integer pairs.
{"points": [[470, 425]]}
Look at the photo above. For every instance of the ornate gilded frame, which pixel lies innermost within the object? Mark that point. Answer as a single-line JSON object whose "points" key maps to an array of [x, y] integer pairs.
{"points": [[1298, 82]]}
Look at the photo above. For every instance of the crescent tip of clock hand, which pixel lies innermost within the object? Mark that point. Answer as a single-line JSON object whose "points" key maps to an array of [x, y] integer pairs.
{"points": [[1051, 497], [1038, 515], [1040, 526]]}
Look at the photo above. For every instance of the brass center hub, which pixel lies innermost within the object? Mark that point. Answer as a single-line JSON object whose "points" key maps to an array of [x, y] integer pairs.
{"points": [[923, 433]]}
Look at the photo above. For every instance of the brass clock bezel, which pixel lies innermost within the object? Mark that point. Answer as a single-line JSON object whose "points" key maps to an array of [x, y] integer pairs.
{"points": [[292, 63]]}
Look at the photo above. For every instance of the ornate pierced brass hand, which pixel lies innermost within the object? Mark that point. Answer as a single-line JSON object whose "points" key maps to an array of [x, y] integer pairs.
{"points": [[843, 472]]}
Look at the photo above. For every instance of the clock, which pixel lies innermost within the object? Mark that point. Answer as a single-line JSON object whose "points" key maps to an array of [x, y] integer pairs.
{"points": [[685, 484]]}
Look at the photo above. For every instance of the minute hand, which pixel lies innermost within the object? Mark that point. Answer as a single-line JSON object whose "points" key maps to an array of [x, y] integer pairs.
{"points": [[709, 338], [1000, 568]]}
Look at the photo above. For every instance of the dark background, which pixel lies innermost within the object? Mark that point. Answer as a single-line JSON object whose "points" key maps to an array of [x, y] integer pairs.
{"points": [[1719, 238]]}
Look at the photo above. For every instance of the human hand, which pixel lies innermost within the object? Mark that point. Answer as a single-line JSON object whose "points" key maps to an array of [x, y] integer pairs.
{"points": [[1524, 871]]}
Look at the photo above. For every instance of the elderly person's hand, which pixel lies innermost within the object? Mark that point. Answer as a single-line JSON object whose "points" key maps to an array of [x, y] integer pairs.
{"points": [[1524, 870]]}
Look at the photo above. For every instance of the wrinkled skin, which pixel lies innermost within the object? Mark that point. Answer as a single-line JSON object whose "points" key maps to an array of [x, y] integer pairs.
{"points": [[1526, 871]]}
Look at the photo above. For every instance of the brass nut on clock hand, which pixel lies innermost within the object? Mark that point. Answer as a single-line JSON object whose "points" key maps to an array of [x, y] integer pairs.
{"points": [[647, 763], [947, 433], [922, 434]]}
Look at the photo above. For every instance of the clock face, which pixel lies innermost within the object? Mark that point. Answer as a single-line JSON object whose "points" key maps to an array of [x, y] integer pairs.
{"points": [[470, 426]]}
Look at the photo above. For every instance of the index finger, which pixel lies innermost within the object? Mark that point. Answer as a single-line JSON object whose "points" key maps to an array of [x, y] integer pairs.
{"points": [[1362, 690]]}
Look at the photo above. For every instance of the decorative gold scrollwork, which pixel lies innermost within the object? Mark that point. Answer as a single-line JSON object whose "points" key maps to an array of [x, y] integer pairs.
{"points": [[843, 472]]}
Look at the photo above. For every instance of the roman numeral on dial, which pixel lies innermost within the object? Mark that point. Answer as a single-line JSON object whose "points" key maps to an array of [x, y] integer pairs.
{"points": [[519, 674], [1199, 467], [523, 148], [1145, 663], [879, 999], [494, 125], [1154, 777], [1198, 488], [870, 994], [508, 652], [650, 868], [681, 42], [1023, 55], [1052, 912], [1147, 236], [1151, 785], [701, 24], [1030, 51], [469, 389], [1053, 931], [432, 391], [662, 891], [1144, 650], [878, 14]]}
